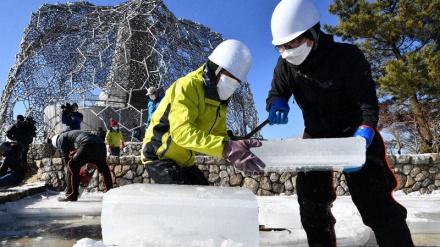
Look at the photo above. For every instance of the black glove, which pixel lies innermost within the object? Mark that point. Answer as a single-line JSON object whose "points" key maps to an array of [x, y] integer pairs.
{"points": [[238, 153]]}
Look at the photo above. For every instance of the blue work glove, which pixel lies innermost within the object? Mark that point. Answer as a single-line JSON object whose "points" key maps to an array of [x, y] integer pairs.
{"points": [[278, 111], [366, 132], [238, 153]]}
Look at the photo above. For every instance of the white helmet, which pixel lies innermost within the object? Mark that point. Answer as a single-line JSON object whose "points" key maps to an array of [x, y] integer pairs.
{"points": [[233, 56], [151, 90], [291, 18], [54, 140]]}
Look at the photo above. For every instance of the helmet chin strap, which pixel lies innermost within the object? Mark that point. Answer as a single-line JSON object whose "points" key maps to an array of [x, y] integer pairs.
{"points": [[219, 68], [214, 67], [315, 37]]}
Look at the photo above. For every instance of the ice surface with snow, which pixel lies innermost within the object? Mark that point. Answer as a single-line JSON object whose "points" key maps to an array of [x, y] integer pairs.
{"points": [[179, 215], [281, 212], [274, 212], [423, 211], [312, 154]]}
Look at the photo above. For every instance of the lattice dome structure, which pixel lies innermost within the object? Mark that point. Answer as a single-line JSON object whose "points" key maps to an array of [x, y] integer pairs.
{"points": [[104, 58]]}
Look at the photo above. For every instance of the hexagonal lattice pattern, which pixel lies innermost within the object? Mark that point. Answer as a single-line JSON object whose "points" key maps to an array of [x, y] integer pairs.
{"points": [[107, 56]]}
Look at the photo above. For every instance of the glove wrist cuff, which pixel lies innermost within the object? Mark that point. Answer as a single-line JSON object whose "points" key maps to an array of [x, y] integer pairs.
{"points": [[364, 126], [227, 150]]}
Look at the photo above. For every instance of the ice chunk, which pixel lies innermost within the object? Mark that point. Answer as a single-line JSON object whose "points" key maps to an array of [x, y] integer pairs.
{"points": [[153, 213], [88, 242], [312, 154], [279, 212]]}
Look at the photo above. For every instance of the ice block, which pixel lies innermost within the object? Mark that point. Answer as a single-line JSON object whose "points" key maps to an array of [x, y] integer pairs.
{"points": [[181, 215], [312, 154]]}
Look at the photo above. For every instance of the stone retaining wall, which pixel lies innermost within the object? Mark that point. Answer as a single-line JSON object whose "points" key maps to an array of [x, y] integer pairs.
{"points": [[414, 173]]}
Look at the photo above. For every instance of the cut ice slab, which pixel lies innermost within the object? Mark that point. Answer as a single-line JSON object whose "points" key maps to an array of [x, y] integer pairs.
{"points": [[184, 215], [312, 154]]}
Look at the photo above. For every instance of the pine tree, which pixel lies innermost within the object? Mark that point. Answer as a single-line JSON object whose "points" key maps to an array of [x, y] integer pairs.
{"points": [[401, 39]]}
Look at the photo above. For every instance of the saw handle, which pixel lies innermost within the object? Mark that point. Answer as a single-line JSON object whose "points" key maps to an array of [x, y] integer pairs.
{"points": [[258, 128]]}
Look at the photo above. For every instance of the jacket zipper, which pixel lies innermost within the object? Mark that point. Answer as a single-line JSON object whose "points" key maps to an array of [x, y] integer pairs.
{"points": [[168, 146], [215, 120]]}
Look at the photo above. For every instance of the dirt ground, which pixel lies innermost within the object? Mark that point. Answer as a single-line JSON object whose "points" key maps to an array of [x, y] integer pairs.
{"points": [[32, 176]]}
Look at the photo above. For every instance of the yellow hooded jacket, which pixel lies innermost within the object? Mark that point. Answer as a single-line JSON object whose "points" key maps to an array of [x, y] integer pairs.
{"points": [[187, 121]]}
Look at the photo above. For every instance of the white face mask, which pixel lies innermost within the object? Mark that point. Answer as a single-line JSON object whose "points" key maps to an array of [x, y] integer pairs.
{"points": [[115, 128], [152, 96], [226, 86], [297, 55]]}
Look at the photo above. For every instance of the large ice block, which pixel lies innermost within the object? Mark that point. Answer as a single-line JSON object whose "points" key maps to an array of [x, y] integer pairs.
{"points": [[312, 154], [179, 215]]}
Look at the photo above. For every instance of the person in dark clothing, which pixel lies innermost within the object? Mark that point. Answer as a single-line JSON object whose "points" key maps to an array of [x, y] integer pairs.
{"points": [[136, 134], [101, 133], [71, 117], [23, 132], [12, 170], [32, 130], [78, 148], [333, 86]]}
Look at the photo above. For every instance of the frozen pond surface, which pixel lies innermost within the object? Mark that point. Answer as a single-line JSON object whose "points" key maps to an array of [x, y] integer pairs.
{"points": [[49, 231], [40, 220]]}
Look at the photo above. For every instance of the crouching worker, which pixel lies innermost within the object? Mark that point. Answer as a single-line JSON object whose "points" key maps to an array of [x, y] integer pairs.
{"points": [[77, 148], [12, 169], [191, 118]]}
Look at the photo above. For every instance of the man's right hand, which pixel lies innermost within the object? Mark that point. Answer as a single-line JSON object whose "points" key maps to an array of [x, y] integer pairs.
{"points": [[278, 111], [238, 153]]}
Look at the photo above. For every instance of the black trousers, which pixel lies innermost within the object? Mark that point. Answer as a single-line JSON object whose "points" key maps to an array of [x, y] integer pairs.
{"points": [[168, 172], [24, 149], [94, 154], [115, 151], [371, 191]]}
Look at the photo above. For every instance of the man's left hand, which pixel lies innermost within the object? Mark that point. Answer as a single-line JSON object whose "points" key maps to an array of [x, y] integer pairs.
{"points": [[366, 132], [241, 157]]}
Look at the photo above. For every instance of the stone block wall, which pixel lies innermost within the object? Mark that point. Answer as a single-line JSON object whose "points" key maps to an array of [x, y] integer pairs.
{"points": [[414, 173]]}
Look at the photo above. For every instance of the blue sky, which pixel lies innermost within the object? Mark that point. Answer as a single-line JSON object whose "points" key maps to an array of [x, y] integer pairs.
{"points": [[245, 20]]}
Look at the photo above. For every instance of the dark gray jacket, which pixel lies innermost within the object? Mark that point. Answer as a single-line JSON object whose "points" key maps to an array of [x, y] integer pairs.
{"points": [[74, 139]]}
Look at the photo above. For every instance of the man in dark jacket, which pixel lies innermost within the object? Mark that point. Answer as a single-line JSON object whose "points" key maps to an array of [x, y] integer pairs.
{"points": [[71, 117], [12, 170], [23, 132], [332, 84], [101, 133], [78, 148]]}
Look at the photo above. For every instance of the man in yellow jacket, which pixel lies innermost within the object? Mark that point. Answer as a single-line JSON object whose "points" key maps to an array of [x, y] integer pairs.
{"points": [[191, 118]]}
